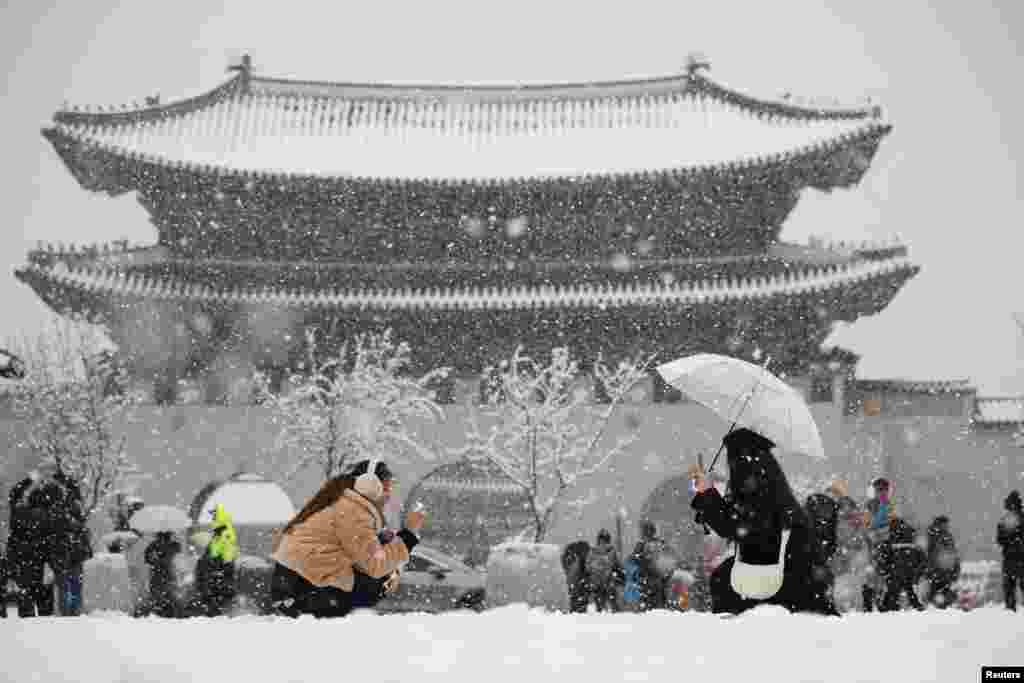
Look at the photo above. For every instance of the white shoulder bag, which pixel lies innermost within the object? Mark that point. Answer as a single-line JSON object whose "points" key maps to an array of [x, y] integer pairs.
{"points": [[759, 581]]}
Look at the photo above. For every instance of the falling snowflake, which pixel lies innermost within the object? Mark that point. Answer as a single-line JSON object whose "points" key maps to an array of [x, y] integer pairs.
{"points": [[516, 227], [621, 263], [473, 227]]}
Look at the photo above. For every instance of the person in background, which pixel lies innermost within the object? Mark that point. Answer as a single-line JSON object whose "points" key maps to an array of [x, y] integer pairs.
{"points": [[577, 580], [878, 512], [72, 544], [901, 563], [943, 563], [823, 515], [1010, 537], [605, 573], [215, 571], [656, 564], [30, 540], [331, 558], [163, 589]]}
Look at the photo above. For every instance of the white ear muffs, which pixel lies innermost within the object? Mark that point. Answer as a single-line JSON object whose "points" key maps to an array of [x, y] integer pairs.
{"points": [[368, 483]]}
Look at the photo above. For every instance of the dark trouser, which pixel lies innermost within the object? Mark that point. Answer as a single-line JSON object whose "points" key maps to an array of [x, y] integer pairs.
{"points": [[941, 593], [893, 589], [162, 600], [34, 598], [69, 591], [1013, 578], [605, 598], [579, 596], [291, 595], [868, 596], [654, 590]]}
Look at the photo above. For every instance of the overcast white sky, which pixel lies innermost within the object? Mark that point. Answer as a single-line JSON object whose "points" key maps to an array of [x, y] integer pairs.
{"points": [[945, 180]]}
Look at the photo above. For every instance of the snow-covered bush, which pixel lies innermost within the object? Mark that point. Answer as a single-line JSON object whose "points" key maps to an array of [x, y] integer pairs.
{"points": [[353, 405], [73, 395], [528, 573], [545, 430]]}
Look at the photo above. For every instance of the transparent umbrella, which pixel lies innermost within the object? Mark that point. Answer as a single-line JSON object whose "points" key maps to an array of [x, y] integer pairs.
{"points": [[747, 395], [155, 518]]}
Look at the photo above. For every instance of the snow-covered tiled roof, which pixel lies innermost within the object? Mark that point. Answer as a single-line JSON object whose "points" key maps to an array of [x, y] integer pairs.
{"points": [[1001, 410], [483, 133], [112, 282], [911, 386]]}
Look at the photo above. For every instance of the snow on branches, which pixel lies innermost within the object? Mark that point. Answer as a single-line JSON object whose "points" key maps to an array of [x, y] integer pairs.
{"points": [[545, 430], [355, 405], [73, 396]]}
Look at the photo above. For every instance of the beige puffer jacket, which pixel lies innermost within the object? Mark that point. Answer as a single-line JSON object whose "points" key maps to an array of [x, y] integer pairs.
{"points": [[324, 548]]}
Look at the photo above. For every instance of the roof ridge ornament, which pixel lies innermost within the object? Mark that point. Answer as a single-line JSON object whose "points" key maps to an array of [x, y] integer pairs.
{"points": [[697, 62], [244, 69]]}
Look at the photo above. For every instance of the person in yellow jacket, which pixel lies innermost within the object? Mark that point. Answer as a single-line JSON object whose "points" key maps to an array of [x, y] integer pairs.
{"points": [[215, 571]]}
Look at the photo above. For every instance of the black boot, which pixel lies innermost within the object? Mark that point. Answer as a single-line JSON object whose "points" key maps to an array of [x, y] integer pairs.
{"points": [[868, 594]]}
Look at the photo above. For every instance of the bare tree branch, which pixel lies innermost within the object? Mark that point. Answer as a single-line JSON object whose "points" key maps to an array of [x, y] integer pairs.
{"points": [[353, 406], [546, 433]]}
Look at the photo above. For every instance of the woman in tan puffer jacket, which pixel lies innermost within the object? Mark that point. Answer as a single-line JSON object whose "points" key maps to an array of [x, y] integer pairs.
{"points": [[335, 555]]}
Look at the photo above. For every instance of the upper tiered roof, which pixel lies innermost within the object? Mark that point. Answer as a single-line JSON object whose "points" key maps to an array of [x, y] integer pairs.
{"points": [[260, 125]]}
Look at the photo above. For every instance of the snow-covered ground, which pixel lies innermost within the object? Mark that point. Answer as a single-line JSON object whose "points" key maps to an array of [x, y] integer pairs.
{"points": [[515, 644]]}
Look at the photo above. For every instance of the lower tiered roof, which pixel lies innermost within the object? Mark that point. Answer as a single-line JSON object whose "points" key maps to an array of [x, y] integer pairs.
{"points": [[85, 282]]}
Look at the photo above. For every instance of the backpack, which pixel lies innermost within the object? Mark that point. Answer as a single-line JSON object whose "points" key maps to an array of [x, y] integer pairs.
{"points": [[631, 589], [601, 565], [823, 516]]}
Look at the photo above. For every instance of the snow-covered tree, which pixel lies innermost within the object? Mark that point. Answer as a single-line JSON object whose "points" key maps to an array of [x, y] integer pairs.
{"points": [[71, 399], [353, 405], [546, 430]]}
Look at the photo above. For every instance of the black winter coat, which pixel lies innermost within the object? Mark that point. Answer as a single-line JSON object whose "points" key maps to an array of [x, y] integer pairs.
{"points": [[943, 558], [758, 535], [48, 524], [1010, 536], [899, 558], [160, 556]]}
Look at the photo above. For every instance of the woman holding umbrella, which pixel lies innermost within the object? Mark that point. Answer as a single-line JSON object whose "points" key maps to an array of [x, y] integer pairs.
{"points": [[773, 538]]}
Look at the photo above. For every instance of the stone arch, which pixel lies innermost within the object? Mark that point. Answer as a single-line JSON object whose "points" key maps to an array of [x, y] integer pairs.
{"points": [[472, 506], [258, 506]]}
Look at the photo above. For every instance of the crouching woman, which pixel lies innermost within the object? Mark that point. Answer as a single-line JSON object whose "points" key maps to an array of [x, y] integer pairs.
{"points": [[335, 555], [773, 539]]}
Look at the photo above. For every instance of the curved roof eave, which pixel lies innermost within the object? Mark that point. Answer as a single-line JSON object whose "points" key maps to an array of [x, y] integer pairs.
{"points": [[66, 143], [110, 283], [695, 83]]}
